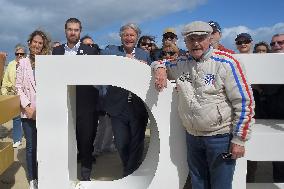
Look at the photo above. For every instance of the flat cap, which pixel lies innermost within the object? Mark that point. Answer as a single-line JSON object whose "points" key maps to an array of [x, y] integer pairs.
{"points": [[197, 28]]}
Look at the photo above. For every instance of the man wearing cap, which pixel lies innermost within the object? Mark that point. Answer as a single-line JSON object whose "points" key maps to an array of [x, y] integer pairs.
{"points": [[244, 43], [216, 36], [169, 36], [215, 104]]}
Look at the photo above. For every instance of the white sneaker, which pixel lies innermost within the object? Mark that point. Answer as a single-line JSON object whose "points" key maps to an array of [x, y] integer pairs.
{"points": [[17, 144], [33, 184]]}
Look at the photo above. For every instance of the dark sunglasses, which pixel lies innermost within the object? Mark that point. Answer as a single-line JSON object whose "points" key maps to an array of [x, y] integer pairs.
{"points": [[169, 36], [171, 53], [278, 42], [243, 42], [19, 54], [226, 155], [146, 44], [92, 45]]}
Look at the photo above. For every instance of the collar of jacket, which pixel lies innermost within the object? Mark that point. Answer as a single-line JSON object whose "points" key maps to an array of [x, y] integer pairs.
{"points": [[204, 57]]}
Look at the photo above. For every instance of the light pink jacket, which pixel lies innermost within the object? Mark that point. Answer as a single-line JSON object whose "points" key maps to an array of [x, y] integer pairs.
{"points": [[26, 85]]}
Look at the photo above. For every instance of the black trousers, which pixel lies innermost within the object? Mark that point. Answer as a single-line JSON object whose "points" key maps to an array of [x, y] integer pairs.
{"points": [[278, 171], [86, 128], [129, 133]]}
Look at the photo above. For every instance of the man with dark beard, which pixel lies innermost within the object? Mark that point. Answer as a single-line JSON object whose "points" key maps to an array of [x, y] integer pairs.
{"points": [[86, 98]]}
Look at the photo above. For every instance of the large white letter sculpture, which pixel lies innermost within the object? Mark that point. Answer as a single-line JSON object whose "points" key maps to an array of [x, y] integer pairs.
{"points": [[165, 163]]}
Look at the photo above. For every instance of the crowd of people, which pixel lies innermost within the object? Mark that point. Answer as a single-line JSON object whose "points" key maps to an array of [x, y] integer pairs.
{"points": [[216, 101]]}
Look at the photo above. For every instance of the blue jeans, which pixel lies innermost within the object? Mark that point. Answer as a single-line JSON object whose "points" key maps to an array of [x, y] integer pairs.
{"points": [[30, 131], [208, 170], [17, 129]]}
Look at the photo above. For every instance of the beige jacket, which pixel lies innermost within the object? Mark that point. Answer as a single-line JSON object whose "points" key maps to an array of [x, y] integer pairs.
{"points": [[214, 95]]}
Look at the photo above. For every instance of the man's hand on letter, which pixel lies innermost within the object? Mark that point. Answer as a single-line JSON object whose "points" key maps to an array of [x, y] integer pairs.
{"points": [[160, 79]]}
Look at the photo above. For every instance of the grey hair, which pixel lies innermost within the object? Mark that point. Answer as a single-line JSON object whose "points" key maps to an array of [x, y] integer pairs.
{"points": [[20, 46], [132, 26], [278, 34]]}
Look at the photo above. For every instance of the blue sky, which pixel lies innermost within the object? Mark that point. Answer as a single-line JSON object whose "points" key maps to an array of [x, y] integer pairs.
{"points": [[102, 19], [229, 14]]}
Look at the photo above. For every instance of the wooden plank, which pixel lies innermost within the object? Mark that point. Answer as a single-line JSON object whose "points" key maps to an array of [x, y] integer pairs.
{"points": [[9, 107], [2, 63], [6, 155]]}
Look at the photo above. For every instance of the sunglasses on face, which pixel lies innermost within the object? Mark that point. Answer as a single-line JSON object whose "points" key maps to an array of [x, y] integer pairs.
{"points": [[144, 44], [165, 53], [92, 45], [278, 42], [169, 36], [19, 54], [243, 42]]}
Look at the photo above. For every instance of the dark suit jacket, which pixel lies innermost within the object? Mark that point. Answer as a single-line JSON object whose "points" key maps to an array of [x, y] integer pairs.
{"points": [[86, 95], [116, 98]]}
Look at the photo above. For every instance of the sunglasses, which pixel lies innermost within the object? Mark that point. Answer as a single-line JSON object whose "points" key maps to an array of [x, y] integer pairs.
{"points": [[171, 53], [169, 36], [92, 45], [146, 44], [243, 42], [278, 42], [226, 155], [19, 54]]}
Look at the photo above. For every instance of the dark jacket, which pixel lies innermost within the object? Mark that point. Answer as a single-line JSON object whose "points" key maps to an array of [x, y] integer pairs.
{"points": [[86, 95], [116, 98]]}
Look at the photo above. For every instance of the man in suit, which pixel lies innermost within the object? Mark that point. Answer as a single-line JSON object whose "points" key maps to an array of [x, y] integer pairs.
{"points": [[86, 98], [127, 111]]}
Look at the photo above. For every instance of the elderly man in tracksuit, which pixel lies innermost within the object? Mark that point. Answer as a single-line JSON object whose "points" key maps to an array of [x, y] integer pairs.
{"points": [[216, 107]]}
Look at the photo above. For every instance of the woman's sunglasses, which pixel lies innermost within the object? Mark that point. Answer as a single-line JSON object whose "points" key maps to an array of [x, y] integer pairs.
{"points": [[19, 54]]}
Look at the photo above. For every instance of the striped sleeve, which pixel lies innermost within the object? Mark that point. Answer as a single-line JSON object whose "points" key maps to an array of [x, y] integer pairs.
{"points": [[240, 95]]}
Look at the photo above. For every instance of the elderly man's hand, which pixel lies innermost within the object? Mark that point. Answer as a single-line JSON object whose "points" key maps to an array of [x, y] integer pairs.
{"points": [[160, 79], [237, 151]]}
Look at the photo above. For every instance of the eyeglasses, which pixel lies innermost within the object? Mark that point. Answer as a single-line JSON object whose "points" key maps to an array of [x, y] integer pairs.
{"points": [[146, 44], [243, 42], [196, 38], [278, 42], [19, 54], [165, 53]]}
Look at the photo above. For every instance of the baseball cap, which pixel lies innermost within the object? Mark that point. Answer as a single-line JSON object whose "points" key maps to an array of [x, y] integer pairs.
{"points": [[170, 30], [197, 28], [245, 36], [215, 26]]}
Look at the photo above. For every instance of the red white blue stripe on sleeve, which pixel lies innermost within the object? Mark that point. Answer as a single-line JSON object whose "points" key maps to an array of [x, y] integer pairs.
{"points": [[234, 71]]}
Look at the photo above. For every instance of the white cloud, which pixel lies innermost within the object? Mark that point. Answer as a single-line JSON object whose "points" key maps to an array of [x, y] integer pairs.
{"points": [[20, 18]]}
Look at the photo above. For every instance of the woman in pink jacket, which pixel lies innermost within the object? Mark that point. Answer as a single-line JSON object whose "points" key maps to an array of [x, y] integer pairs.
{"points": [[39, 44]]}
